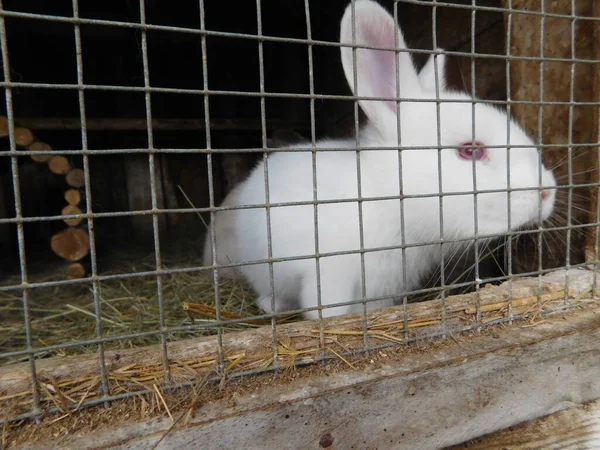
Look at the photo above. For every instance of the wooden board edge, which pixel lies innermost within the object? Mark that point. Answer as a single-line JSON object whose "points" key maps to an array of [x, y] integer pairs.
{"points": [[431, 399], [575, 427], [254, 343]]}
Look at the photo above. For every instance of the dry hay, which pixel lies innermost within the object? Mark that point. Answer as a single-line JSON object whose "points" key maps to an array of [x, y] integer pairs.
{"points": [[66, 313]]}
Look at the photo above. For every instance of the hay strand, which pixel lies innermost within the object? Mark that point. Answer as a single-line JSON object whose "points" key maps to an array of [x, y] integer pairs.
{"points": [[348, 363]]}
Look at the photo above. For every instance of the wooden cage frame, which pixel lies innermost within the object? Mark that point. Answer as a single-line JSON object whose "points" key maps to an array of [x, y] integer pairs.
{"points": [[407, 397], [432, 394]]}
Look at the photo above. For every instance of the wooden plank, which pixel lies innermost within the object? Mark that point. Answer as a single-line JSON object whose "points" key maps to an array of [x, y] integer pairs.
{"points": [[257, 343], [425, 399], [128, 124], [557, 119], [592, 232], [483, 382], [577, 427]]}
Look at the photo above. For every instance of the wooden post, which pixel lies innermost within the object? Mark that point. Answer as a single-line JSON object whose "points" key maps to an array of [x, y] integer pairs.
{"points": [[561, 124], [592, 235]]}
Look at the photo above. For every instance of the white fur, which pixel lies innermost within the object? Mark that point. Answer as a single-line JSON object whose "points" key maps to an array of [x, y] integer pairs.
{"points": [[242, 233], [427, 77], [226, 241]]}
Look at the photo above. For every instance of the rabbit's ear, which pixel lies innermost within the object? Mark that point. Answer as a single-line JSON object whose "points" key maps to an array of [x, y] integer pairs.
{"points": [[376, 69], [427, 74]]}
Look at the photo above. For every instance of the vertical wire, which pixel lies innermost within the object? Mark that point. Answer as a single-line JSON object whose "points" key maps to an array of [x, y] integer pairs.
{"points": [[263, 126], [474, 168], [597, 186], [509, 240], [570, 152], [358, 181], [440, 186], [155, 217], [311, 85], [35, 394], [88, 200], [540, 142], [211, 188], [401, 182]]}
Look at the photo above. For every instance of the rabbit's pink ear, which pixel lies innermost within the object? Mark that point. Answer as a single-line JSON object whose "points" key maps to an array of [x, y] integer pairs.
{"points": [[376, 69], [427, 75]]}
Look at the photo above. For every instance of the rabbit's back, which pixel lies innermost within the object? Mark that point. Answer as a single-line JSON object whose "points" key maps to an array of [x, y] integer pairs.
{"points": [[292, 227], [290, 180]]}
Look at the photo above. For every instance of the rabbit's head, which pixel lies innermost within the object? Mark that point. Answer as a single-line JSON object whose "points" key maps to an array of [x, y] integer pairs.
{"points": [[478, 147]]}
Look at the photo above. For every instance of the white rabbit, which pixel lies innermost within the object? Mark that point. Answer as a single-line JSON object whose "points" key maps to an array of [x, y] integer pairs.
{"points": [[225, 232], [242, 234]]}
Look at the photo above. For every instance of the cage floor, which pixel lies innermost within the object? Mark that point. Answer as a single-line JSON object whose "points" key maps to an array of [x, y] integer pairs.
{"points": [[67, 313]]}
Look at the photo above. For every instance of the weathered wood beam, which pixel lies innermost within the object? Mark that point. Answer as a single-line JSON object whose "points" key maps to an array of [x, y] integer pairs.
{"points": [[128, 124], [435, 395], [562, 124]]}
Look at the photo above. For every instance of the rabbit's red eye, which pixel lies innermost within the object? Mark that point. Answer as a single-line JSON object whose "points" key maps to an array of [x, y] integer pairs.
{"points": [[470, 150]]}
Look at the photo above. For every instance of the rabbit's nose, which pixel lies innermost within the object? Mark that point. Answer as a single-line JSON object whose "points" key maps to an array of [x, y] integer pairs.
{"points": [[545, 194]]}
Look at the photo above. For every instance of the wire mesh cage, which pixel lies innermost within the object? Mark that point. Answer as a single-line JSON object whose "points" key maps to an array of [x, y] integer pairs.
{"points": [[183, 188]]}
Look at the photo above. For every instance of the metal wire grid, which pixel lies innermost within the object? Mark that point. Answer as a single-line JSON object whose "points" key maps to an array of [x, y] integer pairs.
{"points": [[26, 286]]}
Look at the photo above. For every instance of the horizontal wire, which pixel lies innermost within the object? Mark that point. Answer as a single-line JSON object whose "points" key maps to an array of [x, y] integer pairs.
{"points": [[285, 95]]}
